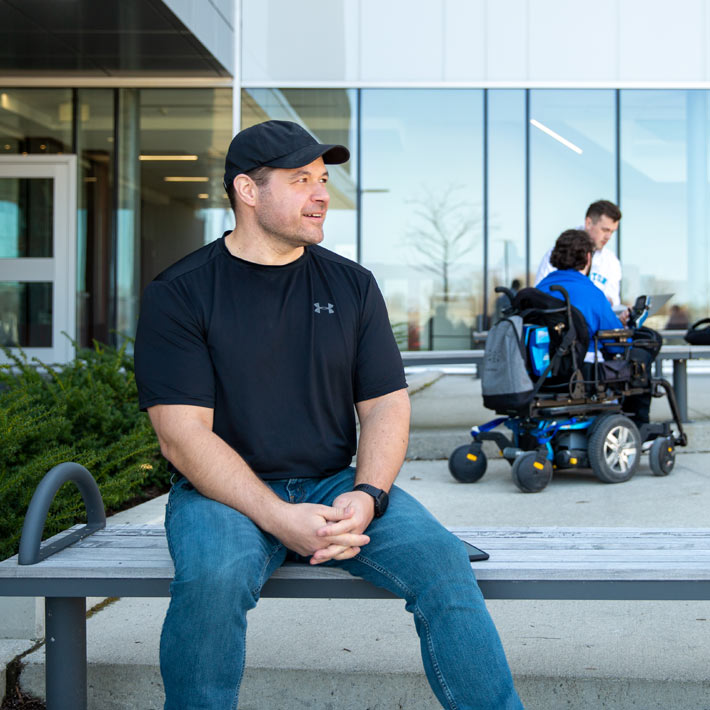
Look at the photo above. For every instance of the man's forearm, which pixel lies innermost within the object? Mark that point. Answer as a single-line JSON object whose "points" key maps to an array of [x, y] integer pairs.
{"points": [[384, 434]]}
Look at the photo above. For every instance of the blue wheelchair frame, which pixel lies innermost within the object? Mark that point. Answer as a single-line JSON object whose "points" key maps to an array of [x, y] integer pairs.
{"points": [[545, 429]]}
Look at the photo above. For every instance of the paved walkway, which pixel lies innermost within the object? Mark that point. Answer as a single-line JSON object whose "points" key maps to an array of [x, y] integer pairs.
{"points": [[357, 654]]}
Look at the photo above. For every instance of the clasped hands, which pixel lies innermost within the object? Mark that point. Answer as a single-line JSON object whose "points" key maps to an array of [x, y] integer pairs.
{"points": [[324, 532]]}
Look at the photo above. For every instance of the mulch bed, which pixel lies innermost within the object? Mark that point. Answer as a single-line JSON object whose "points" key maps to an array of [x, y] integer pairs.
{"points": [[17, 700]]}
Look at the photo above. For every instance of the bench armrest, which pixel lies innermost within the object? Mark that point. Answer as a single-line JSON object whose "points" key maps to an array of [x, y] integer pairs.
{"points": [[32, 529]]}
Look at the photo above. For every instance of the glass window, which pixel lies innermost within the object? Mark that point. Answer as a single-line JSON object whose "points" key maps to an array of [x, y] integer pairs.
{"points": [[35, 121], [95, 143], [184, 136], [506, 194], [572, 162], [664, 190], [329, 114], [422, 187], [26, 314], [26, 208]]}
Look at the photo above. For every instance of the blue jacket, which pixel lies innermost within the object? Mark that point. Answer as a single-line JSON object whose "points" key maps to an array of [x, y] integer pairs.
{"points": [[586, 297]]}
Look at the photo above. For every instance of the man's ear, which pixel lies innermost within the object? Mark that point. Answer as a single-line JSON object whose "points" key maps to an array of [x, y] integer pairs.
{"points": [[245, 189]]}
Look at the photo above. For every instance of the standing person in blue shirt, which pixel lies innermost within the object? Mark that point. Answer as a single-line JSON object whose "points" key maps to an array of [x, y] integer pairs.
{"points": [[254, 355]]}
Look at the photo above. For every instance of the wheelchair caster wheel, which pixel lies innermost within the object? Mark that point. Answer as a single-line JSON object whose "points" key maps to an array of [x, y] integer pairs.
{"points": [[464, 469], [529, 475], [661, 457], [614, 448]]}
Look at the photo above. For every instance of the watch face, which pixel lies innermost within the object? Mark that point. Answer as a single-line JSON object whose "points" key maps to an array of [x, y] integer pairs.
{"points": [[380, 497], [381, 503]]}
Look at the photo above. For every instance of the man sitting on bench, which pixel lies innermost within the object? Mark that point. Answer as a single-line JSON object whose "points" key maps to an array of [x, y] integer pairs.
{"points": [[252, 356]]}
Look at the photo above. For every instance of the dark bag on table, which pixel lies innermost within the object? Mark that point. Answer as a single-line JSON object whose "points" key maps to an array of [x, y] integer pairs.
{"points": [[698, 335]]}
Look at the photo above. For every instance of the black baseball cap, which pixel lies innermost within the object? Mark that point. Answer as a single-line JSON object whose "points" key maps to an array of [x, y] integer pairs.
{"points": [[277, 144]]}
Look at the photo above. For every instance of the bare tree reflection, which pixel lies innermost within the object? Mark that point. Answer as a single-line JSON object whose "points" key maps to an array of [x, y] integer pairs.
{"points": [[444, 227]]}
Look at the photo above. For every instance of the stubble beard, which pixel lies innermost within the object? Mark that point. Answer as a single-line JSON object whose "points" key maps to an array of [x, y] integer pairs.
{"points": [[279, 231]]}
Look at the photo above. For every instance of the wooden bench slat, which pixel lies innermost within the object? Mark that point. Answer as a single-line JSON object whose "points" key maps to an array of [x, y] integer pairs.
{"points": [[137, 555]]}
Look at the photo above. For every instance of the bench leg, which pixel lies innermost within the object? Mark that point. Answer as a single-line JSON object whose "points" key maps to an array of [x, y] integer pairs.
{"points": [[65, 653], [680, 385]]}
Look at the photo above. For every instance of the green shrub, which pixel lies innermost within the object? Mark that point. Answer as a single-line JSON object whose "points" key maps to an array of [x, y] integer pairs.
{"points": [[85, 411]]}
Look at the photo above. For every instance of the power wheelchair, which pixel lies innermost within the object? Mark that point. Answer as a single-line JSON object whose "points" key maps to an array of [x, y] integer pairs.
{"points": [[578, 414]]}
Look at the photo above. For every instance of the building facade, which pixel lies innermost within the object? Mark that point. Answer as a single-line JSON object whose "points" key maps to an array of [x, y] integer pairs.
{"points": [[478, 129]]}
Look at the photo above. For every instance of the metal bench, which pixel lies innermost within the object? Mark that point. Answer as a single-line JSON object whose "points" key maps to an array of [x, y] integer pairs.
{"points": [[525, 563], [678, 354]]}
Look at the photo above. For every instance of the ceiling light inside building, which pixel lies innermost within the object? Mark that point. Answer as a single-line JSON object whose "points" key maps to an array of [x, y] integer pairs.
{"points": [[167, 157], [186, 178], [556, 136]]}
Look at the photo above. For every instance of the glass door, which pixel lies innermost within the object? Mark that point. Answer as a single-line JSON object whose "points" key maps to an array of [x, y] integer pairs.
{"points": [[37, 256]]}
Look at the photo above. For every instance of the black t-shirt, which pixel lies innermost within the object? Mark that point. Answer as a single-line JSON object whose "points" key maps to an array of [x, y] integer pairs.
{"points": [[280, 353]]}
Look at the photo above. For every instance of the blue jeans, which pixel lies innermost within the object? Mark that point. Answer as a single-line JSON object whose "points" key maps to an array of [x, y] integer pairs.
{"points": [[222, 559]]}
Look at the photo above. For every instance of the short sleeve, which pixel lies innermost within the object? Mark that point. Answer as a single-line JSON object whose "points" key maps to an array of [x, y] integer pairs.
{"points": [[378, 365], [172, 360], [615, 282]]}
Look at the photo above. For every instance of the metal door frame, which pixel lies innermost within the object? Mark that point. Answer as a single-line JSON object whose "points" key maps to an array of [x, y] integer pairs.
{"points": [[60, 269]]}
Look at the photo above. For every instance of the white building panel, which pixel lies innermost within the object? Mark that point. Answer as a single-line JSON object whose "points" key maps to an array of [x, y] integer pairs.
{"points": [[573, 41], [663, 41], [285, 41], [507, 43], [401, 41], [474, 42], [465, 37]]}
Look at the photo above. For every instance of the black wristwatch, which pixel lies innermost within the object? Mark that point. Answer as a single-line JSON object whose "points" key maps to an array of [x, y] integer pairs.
{"points": [[381, 498]]}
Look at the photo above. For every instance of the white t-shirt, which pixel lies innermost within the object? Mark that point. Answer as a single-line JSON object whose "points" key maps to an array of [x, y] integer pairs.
{"points": [[605, 273]]}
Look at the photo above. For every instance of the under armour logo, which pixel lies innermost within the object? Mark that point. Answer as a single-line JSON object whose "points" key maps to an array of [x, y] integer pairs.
{"points": [[318, 308]]}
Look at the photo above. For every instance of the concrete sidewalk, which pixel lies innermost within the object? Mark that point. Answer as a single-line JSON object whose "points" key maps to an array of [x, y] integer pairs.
{"points": [[357, 654]]}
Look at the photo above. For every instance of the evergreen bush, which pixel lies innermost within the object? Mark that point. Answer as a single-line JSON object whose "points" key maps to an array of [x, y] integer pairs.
{"points": [[85, 411]]}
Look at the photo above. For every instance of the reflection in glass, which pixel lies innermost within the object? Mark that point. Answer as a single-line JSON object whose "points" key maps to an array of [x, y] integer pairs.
{"points": [[572, 162], [35, 121], [664, 188], [26, 209], [329, 114], [128, 213], [95, 145], [184, 134], [26, 314], [422, 170], [506, 194]]}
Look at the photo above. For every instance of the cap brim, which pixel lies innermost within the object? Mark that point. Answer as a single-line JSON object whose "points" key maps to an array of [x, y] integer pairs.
{"points": [[332, 155]]}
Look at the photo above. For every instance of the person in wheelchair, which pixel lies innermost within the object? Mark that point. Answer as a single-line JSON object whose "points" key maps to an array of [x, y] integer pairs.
{"points": [[572, 257], [573, 384]]}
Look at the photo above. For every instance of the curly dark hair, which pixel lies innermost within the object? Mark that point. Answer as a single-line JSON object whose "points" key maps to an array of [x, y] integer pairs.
{"points": [[571, 249]]}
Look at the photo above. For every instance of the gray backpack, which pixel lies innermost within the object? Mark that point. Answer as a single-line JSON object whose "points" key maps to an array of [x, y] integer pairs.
{"points": [[505, 382]]}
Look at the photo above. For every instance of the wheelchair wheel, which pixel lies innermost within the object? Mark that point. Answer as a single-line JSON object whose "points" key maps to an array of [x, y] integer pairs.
{"points": [[464, 469], [614, 448], [528, 476], [661, 457]]}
